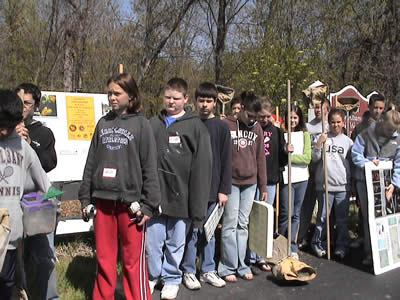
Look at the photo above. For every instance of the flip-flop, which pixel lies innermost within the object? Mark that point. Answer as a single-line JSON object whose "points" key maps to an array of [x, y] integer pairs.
{"points": [[230, 278], [248, 276], [263, 266]]}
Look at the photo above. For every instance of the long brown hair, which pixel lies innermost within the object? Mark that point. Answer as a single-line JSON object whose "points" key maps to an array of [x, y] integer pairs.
{"points": [[128, 84]]}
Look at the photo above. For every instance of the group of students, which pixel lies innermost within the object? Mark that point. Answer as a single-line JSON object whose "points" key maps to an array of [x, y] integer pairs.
{"points": [[27, 152], [154, 182]]}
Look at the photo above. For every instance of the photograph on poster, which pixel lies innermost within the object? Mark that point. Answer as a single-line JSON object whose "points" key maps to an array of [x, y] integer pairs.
{"points": [[384, 217]]}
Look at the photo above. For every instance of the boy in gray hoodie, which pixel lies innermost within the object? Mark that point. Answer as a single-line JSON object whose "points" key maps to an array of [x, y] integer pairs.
{"points": [[19, 167], [338, 157]]}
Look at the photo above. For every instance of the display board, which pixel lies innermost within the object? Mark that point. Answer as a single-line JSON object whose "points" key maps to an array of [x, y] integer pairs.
{"points": [[384, 217], [72, 118], [261, 226]]}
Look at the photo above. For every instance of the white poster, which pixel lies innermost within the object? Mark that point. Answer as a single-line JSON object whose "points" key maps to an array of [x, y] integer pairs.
{"points": [[299, 173], [384, 217]]}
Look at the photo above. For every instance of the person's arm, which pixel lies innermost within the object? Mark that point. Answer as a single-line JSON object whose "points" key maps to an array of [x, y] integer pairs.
{"points": [[200, 177], [225, 184], [151, 195], [46, 151], [261, 165], [357, 152], [396, 168], [36, 174], [84, 194], [305, 157]]}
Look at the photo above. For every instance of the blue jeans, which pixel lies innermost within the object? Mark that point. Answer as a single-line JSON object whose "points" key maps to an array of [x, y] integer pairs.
{"points": [[271, 191], [298, 191], [234, 233], [207, 250], [40, 250], [341, 202], [171, 233], [363, 195]]}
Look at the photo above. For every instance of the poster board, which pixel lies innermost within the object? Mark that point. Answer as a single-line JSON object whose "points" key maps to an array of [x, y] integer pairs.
{"points": [[384, 218], [72, 118], [299, 173], [261, 226]]}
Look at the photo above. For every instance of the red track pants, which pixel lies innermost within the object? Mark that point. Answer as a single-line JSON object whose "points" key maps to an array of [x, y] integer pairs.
{"points": [[113, 218]]}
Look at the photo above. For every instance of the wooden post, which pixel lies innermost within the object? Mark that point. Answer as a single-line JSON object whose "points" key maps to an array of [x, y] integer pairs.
{"points": [[328, 235], [289, 176], [277, 185], [120, 68]]}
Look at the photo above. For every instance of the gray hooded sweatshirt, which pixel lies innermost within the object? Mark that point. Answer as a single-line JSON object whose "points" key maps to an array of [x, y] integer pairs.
{"points": [[20, 173]]}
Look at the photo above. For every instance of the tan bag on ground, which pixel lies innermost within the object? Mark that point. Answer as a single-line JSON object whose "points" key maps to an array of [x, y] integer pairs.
{"points": [[4, 234], [279, 249], [292, 269]]}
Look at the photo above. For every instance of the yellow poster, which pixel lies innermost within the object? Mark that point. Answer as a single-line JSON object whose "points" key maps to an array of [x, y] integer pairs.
{"points": [[80, 117]]}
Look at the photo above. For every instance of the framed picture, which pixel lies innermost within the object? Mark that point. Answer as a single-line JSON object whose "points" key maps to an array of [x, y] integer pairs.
{"points": [[384, 217]]}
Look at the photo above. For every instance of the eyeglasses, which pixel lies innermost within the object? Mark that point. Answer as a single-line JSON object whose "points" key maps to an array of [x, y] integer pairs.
{"points": [[28, 104]]}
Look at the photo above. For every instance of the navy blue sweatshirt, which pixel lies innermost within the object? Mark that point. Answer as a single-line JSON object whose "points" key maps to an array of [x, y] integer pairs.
{"points": [[220, 136]]}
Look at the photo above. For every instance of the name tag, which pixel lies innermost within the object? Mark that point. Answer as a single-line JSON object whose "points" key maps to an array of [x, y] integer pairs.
{"points": [[175, 139], [109, 172]]}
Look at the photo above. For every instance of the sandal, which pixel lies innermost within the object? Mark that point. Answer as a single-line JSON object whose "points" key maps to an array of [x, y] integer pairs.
{"points": [[230, 278], [248, 276], [263, 266]]}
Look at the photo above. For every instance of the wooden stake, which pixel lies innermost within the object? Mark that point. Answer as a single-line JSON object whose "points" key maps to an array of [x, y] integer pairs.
{"points": [[328, 235], [289, 176], [120, 68]]}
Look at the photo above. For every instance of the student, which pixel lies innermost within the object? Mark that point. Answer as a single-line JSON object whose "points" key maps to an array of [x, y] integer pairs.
{"points": [[24, 168], [276, 158], [299, 163], [39, 252], [248, 173], [380, 141], [206, 100], [376, 106], [184, 169], [120, 179], [338, 157], [235, 106], [314, 127]]}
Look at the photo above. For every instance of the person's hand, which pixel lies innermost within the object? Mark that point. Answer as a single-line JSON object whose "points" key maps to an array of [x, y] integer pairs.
{"points": [[264, 197], [389, 191], [289, 148], [322, 138], [222, 198], [144, 219], [23, 132], [375, 161], [277, 124], [222, 116], [87, 211]]}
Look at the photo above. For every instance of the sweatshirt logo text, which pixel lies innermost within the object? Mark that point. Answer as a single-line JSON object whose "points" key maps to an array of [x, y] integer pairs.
{"points": [[244, 138], [115, 137]]}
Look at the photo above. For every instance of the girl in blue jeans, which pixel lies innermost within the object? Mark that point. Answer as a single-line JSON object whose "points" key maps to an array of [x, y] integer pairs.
{"points": [[301, 157]]}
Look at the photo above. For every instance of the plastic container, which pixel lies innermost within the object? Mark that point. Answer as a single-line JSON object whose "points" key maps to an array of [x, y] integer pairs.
{"points": [[39, 215]]}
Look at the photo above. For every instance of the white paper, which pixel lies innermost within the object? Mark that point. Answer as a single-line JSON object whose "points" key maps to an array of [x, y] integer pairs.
{"points": [[299, 173], [212, 222]]}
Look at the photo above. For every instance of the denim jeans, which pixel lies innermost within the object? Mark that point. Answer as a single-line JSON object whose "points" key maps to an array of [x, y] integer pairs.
{"points": [[169, 232], [340, 200], [362, 194], [234, 233], [40, 250], [207, 250], [271, 191], [298, 191]]}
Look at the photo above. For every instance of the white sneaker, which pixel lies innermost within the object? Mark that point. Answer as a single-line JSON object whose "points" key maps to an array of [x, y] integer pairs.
{"points": [[295, 255], [152, 284], [318, 251], [213, 279], [190, 281], [170, 291]]}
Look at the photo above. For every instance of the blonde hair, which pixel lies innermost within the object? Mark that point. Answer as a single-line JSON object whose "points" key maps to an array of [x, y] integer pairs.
{"points": [[392, 117]]}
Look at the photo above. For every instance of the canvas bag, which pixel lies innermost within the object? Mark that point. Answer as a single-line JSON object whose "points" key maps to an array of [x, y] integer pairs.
{"points": [[4, 234], [291, 268]]}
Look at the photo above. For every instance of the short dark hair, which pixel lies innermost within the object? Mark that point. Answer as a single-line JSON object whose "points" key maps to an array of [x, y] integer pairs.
{"points": [[177, 84], [235, 100], [301, 126], [374, 98], [206, 90], [128, 84], [336, 111], [250, 101], [11, 108], [30, 88]]}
